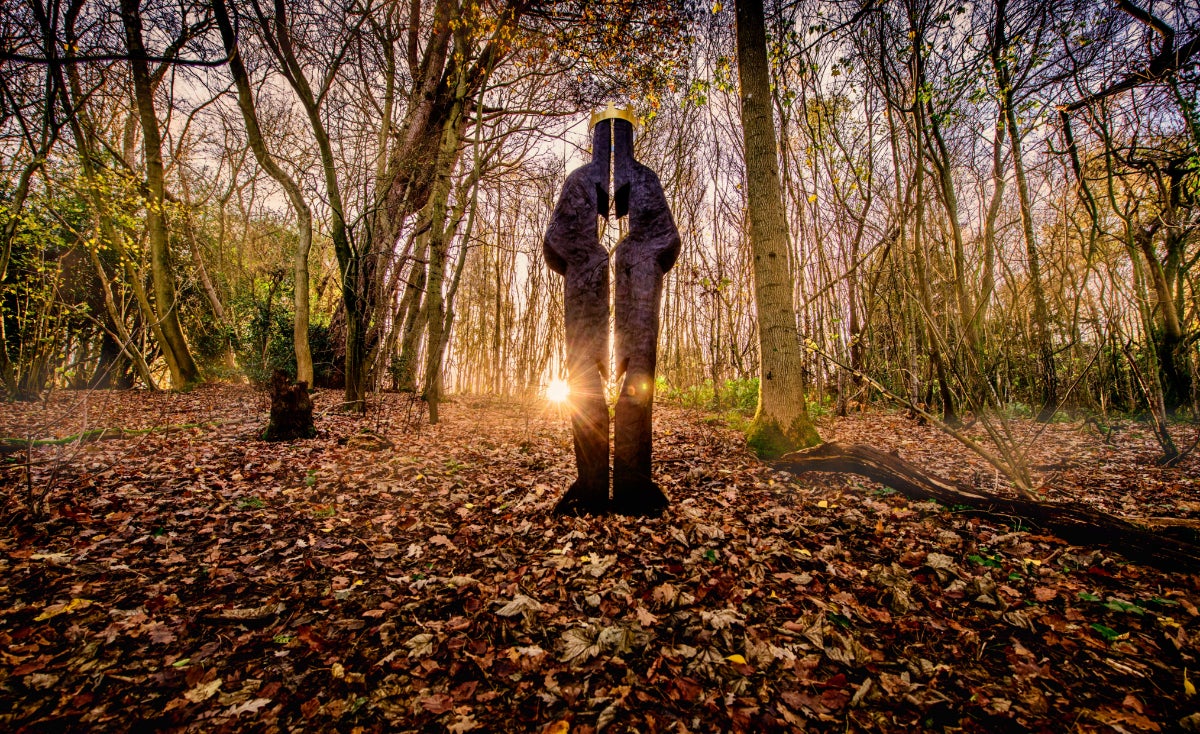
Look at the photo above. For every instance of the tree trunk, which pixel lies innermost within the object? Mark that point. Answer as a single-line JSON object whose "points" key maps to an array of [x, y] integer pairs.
{"points": [[184, 372], [988, 280], [413, 307], [943, 165], [245, 100], [1041, 314], [353, 265], [781, 421], [439, 241], [291, 410], [114, 316]]}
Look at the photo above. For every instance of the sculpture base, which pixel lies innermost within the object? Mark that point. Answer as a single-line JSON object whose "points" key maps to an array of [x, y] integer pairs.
{"points": [[582, 499], [638, 498]]}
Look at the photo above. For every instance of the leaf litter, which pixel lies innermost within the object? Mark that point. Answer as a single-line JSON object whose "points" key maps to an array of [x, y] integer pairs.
{"points": [[392, 576]]}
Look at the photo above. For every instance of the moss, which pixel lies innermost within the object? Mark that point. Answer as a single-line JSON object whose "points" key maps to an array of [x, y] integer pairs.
{"points": [[769, 440]]}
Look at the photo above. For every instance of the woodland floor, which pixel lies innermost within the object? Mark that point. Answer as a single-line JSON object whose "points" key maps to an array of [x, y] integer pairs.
{"points": [[392, 576]]}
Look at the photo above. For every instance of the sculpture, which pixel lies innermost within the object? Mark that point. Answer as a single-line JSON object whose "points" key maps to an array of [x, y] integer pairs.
{"points": [[572, 248]]}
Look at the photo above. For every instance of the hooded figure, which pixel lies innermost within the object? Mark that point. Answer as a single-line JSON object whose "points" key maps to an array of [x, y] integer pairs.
{"points": [[572, 248]]}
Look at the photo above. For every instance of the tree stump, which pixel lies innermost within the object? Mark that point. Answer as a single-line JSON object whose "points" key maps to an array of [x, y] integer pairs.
{"points": [[291, 410]]}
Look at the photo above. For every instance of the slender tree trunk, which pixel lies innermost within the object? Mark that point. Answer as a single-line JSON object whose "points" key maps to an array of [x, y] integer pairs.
{"points": [[441, 232], [110, 306], [355, 267], [412, 306], [1041, 313], [945, 171], [73, 103], [781, 421], [245, 101], [184, 372], [988, 279], [921, 266], [936, 355]]}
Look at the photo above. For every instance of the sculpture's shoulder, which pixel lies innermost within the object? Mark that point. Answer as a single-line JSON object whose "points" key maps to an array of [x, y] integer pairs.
{"points": [[582, 176], [646, 176], [577, 194]]}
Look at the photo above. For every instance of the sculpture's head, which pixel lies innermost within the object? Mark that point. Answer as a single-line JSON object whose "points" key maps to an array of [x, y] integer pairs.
{"points": [[612, 112], [612, 129]]}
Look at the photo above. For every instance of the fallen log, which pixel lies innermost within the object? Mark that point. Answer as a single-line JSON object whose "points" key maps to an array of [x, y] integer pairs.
{"points": [[12, 445], [1076, 524]]}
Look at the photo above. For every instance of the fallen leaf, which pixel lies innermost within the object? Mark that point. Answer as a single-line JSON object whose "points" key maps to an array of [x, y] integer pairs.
{"points": [[520, 604], [56, 609], [249, 707], [203, 691]]}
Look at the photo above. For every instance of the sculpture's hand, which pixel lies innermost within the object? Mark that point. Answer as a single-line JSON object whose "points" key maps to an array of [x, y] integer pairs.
{"points": [[553, 259], [669, 254]]}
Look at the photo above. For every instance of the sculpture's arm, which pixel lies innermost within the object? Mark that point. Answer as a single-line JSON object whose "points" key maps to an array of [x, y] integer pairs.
{"points": [[554, 234], [669, 254], [565, 224], [553, 259], [663, 224]]}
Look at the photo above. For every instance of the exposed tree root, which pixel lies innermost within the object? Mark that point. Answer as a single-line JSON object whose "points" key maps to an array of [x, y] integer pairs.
{"points": [[1074, 523]]}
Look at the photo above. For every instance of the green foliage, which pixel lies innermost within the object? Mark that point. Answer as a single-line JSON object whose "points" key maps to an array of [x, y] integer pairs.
{"points": [[740, 395], [266, 345], [43, 293], [210, 344], [264, 342], [732, 419]]}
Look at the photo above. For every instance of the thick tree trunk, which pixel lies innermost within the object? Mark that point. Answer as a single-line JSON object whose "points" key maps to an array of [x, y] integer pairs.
{"points": [[184, 372], [781, 421], [291, 410], [112, 366], [1169, 336], [1075, 524]]}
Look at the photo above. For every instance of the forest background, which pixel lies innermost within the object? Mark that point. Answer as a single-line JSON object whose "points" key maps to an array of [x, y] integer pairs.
{"points": [[990, 206]]}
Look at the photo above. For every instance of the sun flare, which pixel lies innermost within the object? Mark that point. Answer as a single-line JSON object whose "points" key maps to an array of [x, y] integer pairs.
{"points": [[558, 391]]}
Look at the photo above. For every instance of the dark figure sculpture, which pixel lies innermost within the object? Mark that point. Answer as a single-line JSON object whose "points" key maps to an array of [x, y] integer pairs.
{"points": [[646, 253], [572, 248]]}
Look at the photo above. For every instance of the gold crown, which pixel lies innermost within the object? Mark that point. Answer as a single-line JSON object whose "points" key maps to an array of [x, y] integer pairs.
{"points": [[612, 112]]}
